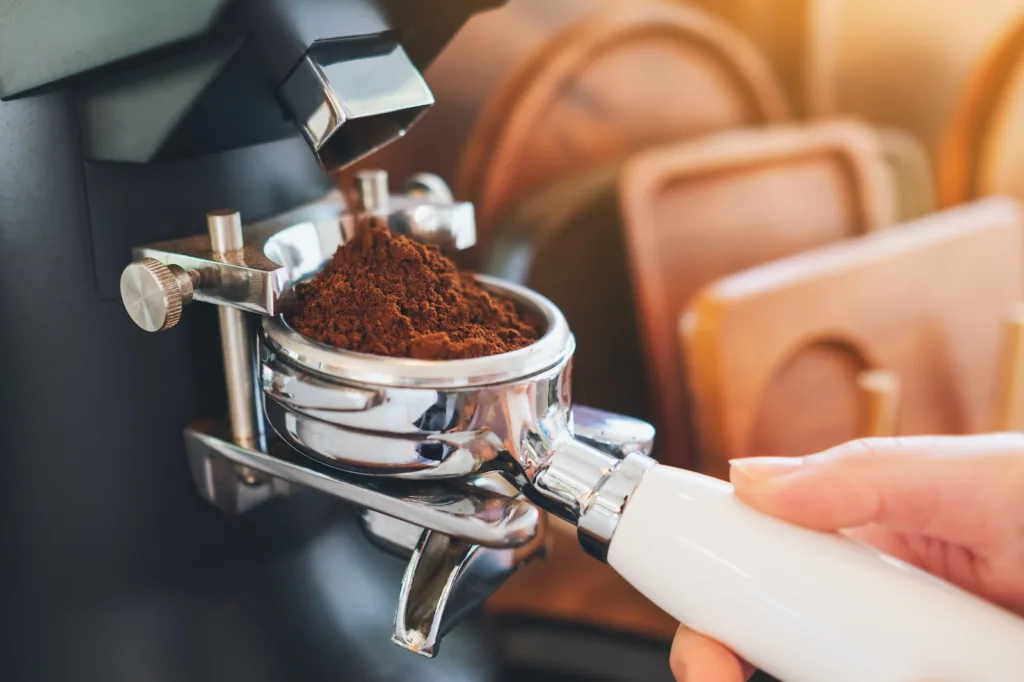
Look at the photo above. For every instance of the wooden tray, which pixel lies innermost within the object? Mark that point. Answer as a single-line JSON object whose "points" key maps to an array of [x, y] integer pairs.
{"points": [[697, 211], [633, 76], [779, 29], [983, 152], [924, 300]]}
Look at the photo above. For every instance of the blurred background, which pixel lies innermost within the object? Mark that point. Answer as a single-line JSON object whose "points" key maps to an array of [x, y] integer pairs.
{"points": [[773, 227]]}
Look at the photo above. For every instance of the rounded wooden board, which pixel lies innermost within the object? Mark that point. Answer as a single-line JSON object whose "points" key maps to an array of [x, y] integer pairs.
{"points": [[703, 209], [922, 300], [1001, 168], [984, 144], [631, 76]]}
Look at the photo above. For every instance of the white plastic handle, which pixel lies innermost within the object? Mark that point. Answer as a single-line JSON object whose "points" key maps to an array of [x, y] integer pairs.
{"points": [[801, 605]]}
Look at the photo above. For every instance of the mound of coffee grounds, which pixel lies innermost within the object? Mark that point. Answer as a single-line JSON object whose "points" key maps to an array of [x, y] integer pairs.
{"points": [[386, 294]]}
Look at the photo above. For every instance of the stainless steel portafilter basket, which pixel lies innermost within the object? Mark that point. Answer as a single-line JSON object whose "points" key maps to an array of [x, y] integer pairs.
{"points": [[508, 414], [502, 423]]}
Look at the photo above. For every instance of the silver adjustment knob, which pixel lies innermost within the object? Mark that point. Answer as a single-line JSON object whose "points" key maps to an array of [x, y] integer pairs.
{"points": [[374, 195], [154, 293], [429, 187]]}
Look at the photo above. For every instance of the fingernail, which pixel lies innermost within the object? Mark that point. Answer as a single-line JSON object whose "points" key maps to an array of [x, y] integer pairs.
{"points": [[763, 468]]}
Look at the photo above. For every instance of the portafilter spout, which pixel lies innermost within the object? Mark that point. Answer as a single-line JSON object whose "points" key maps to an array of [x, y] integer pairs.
{"points": [[352, 96]]}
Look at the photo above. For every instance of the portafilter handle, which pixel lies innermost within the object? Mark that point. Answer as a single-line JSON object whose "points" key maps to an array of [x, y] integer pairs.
{"points": [[802, 605]]}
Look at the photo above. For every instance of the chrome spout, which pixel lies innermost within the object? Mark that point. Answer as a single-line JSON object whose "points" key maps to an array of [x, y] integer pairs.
{"points": [[350, 97], [446, 579]]}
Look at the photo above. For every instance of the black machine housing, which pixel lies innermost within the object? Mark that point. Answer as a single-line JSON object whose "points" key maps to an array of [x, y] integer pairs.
{"points": [[122, 123]]}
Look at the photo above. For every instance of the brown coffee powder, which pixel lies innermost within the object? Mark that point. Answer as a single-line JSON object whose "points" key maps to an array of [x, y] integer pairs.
{"points": [[386, 294]]}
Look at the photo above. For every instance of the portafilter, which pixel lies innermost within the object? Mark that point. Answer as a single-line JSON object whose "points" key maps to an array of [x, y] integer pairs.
{"points": [[452, 459]]}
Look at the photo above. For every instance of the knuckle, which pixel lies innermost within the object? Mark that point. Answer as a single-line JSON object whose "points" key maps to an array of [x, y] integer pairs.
{"points": [[862, 449], [677, 657]]}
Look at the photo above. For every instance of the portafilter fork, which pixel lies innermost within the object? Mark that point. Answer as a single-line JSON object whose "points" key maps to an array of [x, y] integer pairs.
{"points": [[449, 446]]}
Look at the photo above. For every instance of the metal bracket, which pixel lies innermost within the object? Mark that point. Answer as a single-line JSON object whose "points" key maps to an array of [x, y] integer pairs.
{"points": [[463, 539], [476, 514], [291, 247]]}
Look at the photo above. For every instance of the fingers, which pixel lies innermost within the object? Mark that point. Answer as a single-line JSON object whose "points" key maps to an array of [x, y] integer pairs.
{"points": [[963, 490], [698, 659], [887, 540]]}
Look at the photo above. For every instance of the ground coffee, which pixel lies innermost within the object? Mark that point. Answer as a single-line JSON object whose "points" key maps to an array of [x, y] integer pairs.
{"points": [[386, 294]]}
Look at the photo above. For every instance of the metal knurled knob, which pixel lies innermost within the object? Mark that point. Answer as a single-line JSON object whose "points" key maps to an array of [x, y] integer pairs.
{"points": [[154, 293]]}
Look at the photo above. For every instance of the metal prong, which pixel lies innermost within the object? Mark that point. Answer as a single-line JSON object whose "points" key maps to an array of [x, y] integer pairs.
{"points": [[445, 579], [881, 391], [475, 515], [374, 195], [429, 187], [225, 227], [1009, 412], [237, 346]]}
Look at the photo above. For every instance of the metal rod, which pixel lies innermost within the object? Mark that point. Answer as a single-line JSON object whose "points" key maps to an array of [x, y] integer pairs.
{"points": [[225, 228], [881, 391], [374, 195], [247, 428]]}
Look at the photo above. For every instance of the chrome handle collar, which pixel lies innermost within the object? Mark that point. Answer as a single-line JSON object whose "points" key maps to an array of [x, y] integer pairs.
{"points": [[596, 525], [554, 347]]}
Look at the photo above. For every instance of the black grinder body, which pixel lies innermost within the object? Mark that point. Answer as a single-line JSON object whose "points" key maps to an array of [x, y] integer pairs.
{"points": [[122, 126]]}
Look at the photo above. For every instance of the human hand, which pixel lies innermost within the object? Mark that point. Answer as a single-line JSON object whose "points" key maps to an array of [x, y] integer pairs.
{"points": [[951, 505]]}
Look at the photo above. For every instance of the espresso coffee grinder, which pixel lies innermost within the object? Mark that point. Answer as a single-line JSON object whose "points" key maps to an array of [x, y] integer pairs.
{"points": [[124, 123], [450, 462]]}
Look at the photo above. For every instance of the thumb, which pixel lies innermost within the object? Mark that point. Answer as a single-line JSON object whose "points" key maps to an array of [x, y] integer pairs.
{"points": [[960, 489]]}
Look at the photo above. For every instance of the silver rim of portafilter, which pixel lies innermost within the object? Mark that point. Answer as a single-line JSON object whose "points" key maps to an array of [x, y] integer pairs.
{"points": [[555, 346]]}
